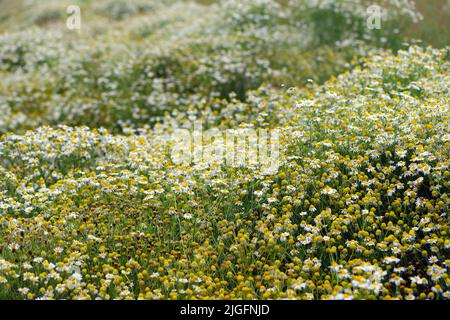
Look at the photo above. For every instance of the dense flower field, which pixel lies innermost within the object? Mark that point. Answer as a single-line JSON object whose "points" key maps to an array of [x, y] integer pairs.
{"points": [[93, 204]]}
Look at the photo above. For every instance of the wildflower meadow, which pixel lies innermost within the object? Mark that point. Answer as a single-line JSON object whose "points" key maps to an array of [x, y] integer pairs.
{"points": [[260, 149]]}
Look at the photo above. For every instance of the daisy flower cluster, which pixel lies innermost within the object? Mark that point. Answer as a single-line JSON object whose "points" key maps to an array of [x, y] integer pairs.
{"points": [[93, 204], [357, 210]]}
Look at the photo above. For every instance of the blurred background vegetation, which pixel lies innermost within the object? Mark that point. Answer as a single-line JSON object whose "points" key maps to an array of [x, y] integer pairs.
{"points": [[135, 61], [19, 14]]}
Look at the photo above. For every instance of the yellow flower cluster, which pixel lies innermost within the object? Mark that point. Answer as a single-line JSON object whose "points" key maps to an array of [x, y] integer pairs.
{"points": [[357, 210]]}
